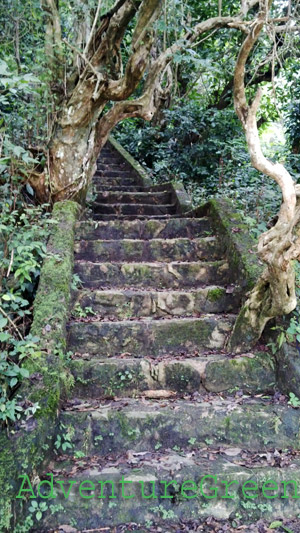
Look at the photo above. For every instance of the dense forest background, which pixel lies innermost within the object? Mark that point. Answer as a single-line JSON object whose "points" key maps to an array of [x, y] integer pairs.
{"points": [[194, 137]]}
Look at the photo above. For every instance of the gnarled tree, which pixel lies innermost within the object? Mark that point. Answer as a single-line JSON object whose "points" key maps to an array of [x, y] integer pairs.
{"points": [[274, 293], [96, 95]]}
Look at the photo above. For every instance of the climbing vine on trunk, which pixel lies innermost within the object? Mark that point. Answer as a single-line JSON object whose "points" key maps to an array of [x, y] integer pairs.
{"points": [[274, 293]]}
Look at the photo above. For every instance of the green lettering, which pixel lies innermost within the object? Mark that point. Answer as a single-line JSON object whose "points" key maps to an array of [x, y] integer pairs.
{"points": [[245, 488], [265, 488], [82, 487], [50, 483], [25, 478], [61, 484], [166, 484], [184, 488], [227, 485], [102, 483], [215, 489], [152, 495], [123, 482], [285, 484]]}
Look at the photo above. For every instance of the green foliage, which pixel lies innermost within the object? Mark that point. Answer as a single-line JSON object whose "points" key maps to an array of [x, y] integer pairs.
{"points": [[80, 312], [63, 440], [204, 149], [294, 400], [189, 146], [24, 230]]}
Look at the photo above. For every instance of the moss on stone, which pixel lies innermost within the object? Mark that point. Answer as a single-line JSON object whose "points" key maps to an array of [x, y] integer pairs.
{"points": [[213, 295], [235, 241]]}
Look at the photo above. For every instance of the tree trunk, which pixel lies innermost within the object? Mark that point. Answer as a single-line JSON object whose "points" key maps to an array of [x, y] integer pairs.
{"points": [[274, 293]]}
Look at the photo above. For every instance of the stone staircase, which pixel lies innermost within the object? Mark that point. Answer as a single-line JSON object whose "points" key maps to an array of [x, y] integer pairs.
{"points": [[157, 402]]}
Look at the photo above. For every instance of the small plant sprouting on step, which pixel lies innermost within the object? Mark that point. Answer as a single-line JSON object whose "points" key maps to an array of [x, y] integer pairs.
{"points": [[294, 400], [37, 509], [79, 454], [80, 312], [63, 439], [76, 282], [290, 335]]}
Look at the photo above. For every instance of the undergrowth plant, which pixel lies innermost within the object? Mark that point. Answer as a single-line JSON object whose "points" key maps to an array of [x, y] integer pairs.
{"points": [[24, 231]]}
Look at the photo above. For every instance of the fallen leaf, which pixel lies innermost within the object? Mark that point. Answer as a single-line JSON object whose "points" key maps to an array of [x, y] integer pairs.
{"points": [[156, 394], [231, 452]]}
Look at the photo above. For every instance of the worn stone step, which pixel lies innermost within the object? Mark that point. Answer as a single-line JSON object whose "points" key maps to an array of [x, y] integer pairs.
{"points": [[144, 229], [133, 209], [144, 337], [134, 188], [144, 425], [127, 304], [102, 181], [169, 492], [117, 188], [98, 216], [107, 159], [106, 197], [171, 275], [202, 248], [113, 166], [120, 173], [129, 377]]}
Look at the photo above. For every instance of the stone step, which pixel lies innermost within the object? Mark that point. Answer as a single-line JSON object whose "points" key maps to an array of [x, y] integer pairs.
{"points": [[109, 159], [134, 209], [118, 188], [127, 304], [113, 166], [167, 250], [107, 197], [98, 216], [157, 275], [141, 425], [116, 173], [144, 229], [101, 181], [168, 492], [145, 337], [134, 188], [119, 377]]}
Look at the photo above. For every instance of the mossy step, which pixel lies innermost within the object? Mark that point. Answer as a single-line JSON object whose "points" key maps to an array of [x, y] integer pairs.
{"points": [[134, 188], [107, 159], [157, 275], [113, 182], [125, 304], [98, 216], [117, 188], [163, 197], [149, 337], [113, 166], [175, 489], [134, 209], [117, 173], [203, 248], [144, 229], [118, 377], [141, 425]]}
